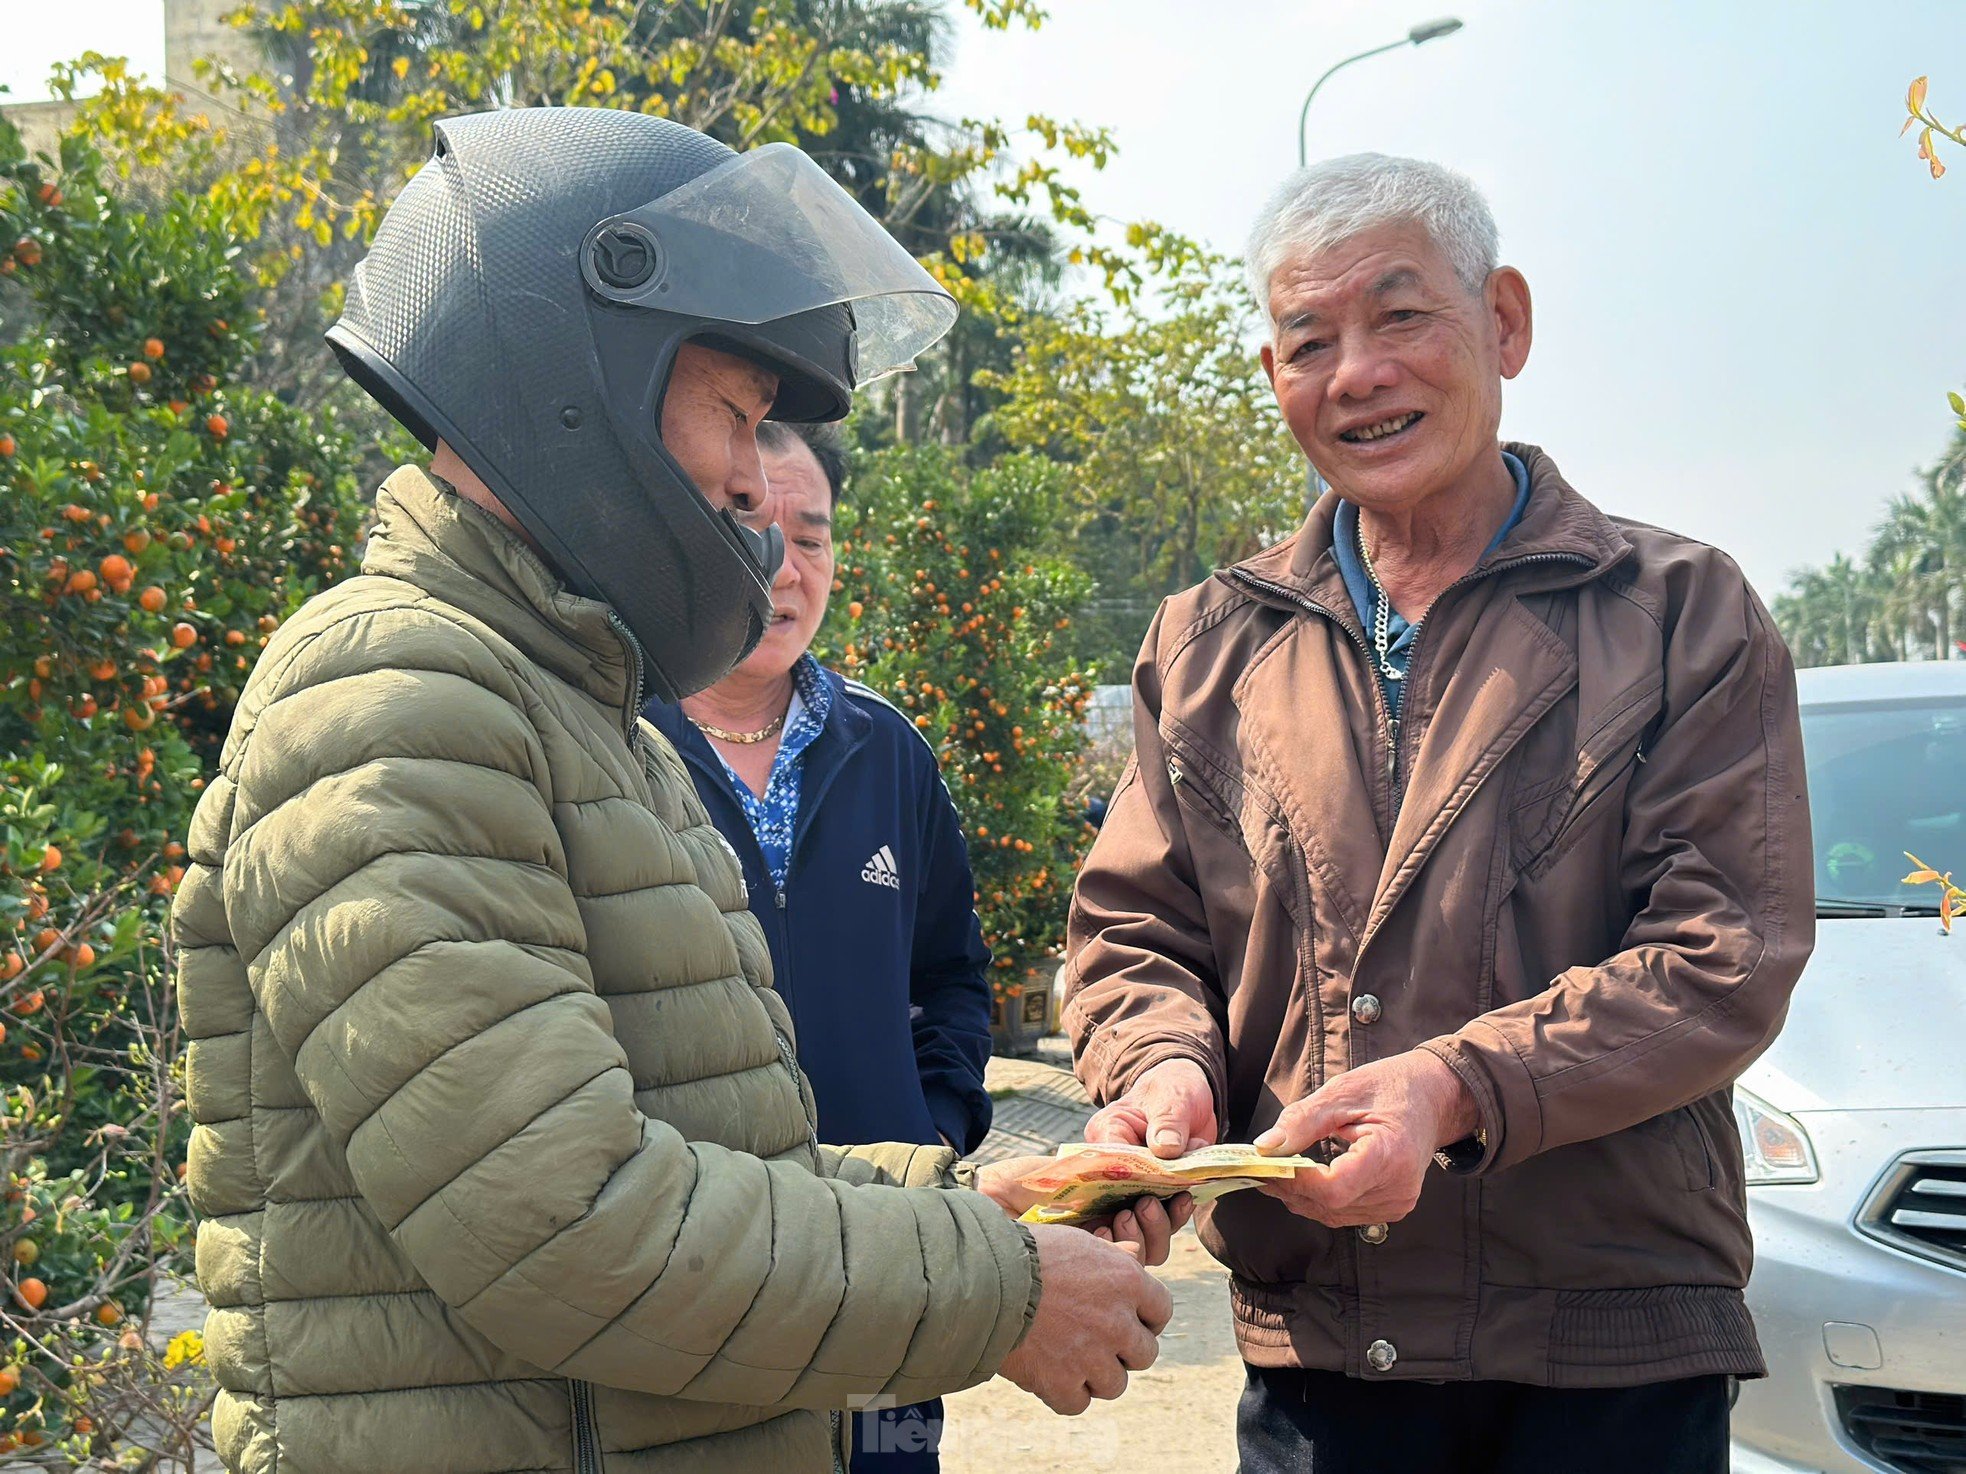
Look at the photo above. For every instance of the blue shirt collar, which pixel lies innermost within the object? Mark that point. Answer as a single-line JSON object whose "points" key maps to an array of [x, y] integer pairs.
{"points": [[1344, 547], [774, 814], [1358, 583]]}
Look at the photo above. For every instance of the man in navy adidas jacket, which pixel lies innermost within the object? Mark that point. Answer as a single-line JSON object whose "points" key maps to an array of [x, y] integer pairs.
{"points": [[857, 871]]}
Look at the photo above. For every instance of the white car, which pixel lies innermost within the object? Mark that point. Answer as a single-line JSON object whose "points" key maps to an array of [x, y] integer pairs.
{"points": [[1854, 1122]]}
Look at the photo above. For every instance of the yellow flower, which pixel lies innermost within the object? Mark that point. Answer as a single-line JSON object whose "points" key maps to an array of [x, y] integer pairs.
{"points": [[186, 1348]]}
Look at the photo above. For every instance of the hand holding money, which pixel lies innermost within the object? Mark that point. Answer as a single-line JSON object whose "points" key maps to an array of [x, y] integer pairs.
{"points": [[1088, 1181], [1170, 1108], [1145, 1226], [1391, 1116]]}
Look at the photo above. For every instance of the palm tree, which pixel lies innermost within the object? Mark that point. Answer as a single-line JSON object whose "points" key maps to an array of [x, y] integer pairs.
{"points": [[1945, 526], [1905, 599]]}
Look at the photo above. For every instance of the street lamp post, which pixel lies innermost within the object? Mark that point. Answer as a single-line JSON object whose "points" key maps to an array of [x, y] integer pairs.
{"points": [[1421, 34]]}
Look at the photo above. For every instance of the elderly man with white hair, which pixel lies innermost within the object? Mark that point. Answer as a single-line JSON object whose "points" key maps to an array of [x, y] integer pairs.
{"points": [[1466, 847]]}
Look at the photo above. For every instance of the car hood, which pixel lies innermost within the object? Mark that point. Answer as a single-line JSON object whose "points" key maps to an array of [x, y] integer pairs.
{"points": [[1878, 1022]]}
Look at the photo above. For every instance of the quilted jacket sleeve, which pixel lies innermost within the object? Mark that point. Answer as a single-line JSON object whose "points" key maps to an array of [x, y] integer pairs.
{"points": [[396, 882], [899, 1163]]}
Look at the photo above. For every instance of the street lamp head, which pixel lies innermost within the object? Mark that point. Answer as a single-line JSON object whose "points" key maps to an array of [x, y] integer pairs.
{"points": [[1427, 31]]}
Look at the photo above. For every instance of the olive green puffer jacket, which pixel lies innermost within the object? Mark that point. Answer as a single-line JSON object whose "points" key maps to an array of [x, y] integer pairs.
{"points": [[502, 1157]]}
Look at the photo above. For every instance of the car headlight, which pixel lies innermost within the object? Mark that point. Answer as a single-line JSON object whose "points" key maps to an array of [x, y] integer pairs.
{"points": [[1774, 1146]]}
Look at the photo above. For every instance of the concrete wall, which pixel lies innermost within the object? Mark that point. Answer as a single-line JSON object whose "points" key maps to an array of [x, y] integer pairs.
{"points": [[40, 123], [196, 28]]}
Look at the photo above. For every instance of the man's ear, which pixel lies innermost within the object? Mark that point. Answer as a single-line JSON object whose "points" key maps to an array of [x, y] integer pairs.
{"points": [[1507, 295], [1268, 355]]}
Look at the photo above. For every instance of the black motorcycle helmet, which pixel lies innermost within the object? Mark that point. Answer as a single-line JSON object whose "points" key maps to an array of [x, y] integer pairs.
{"points": [[524, 300]]}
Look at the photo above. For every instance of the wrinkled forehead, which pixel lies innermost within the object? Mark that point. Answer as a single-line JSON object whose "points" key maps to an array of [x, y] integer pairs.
{"points": [[796, 485], [1383, 262], [790, 463], [704, 365]]}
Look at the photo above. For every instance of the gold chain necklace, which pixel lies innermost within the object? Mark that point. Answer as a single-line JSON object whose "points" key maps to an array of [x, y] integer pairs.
{"points": [[744, 739]]}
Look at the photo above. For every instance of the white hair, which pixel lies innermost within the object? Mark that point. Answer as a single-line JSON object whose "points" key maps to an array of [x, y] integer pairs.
{"points": [[1335, 200]]}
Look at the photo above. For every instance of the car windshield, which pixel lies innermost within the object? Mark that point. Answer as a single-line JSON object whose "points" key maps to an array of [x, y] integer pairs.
{"points": [[1885, 778]]}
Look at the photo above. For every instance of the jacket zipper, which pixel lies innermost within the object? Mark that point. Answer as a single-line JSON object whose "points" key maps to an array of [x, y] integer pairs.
{"points": [[1599, 775], [1215, 807], [792, 1068], [1419, 632], [812, 1136], [586, 1439], [580, 1395], [635, 660], [781, 979], [1598, 781], [586, 1435]]}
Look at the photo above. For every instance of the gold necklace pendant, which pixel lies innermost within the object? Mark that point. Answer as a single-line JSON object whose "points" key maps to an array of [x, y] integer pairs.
{"points": [[743, 739]]}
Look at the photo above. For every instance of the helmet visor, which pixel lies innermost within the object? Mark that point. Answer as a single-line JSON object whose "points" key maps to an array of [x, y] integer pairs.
{"points": [[764, 236]]}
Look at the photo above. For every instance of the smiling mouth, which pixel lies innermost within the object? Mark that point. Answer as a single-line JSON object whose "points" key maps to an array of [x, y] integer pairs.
{"points": [[1384, 430]]}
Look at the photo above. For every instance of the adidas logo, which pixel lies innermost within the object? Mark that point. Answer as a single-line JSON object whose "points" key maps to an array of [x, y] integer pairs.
{"points": [[881, 869]]}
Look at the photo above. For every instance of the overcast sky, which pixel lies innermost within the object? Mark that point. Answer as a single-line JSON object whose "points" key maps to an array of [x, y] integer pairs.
{"points": [[1746, 304]]}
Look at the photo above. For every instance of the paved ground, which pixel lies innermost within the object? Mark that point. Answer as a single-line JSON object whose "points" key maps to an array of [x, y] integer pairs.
{"points": [[1179, 1417], [1039, 1104]]}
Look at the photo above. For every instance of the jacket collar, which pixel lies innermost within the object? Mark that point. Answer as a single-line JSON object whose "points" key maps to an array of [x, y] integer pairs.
{"points": [[429, 536], [1557, 525]]}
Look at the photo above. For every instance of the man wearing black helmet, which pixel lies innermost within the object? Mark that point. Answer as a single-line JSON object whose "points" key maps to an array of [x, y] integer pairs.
{"points": [[503, 1159]]}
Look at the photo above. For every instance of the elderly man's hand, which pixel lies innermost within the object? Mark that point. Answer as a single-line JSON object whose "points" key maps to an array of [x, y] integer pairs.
{"points": [[1170, 1108], [1147, 1227], [1392, 1115]]}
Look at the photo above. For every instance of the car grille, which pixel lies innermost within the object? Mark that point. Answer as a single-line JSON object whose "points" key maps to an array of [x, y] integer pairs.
{"points": [[1917, 1432], [1920, 1206]]}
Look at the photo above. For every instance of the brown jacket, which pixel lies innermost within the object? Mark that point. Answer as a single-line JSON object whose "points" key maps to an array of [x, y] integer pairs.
{"points": [[1585, 885]]}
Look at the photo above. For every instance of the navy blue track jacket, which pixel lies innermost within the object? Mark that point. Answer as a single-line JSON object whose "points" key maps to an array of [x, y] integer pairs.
{"points": [[875, 945]]}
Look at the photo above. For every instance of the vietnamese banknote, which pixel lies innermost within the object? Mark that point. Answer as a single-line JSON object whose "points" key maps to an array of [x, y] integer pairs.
{"points": [[1091, 1180]]}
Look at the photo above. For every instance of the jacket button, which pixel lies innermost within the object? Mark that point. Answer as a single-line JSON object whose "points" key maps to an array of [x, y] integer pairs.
{"points": [[1366, 1009], [1380, 1356], [1375, 1233]]}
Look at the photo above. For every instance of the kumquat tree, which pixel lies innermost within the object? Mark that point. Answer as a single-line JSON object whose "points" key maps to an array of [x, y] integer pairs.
{"points": [[157, 520], [953, 599]]}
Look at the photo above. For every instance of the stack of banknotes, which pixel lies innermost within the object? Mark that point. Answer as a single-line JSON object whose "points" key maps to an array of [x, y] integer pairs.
{"points": [[1089, 1180]]}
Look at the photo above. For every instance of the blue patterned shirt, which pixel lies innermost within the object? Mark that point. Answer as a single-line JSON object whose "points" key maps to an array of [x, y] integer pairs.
{"points": [[774, 816]]}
